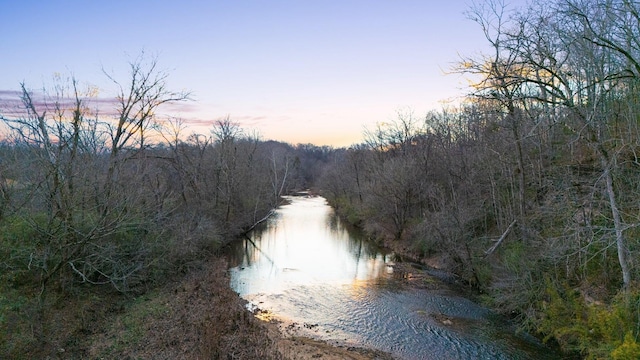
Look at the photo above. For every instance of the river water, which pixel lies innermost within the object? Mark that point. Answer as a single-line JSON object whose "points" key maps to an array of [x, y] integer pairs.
{"points": [[306, 269]]}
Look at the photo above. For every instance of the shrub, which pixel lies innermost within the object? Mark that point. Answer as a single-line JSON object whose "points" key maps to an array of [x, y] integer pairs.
{"points": [[591, 328]]}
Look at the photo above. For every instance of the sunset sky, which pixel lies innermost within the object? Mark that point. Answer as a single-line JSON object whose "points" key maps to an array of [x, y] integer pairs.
{"points": [[305, 71]]}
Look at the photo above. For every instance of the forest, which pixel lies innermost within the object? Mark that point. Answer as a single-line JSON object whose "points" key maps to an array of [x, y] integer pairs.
{"points": [[528, 190]]}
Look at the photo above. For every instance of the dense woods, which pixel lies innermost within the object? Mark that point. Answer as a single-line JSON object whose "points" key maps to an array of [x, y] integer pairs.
{"points": [[105, 192], [528, 190]]}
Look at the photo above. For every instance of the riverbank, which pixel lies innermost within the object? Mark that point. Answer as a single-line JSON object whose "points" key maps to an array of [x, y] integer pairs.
{"points": [[200, 317]]}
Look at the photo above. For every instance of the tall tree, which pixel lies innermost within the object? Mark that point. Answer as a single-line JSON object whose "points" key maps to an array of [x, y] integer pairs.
{"points": [[497, 81]]}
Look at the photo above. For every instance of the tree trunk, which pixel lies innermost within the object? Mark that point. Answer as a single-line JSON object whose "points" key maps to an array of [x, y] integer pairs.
{"points": [[513, 116], [617, 223]]}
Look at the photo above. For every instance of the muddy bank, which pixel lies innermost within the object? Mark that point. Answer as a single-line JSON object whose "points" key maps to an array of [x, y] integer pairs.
{"points": [[302, 348]]}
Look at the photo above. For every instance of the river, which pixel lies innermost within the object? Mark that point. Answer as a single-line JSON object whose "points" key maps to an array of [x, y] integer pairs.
{"points": [[306, 269]]}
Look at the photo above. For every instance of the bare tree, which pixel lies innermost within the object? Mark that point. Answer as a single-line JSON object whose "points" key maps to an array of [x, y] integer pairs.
{"points": [[50, 127], [499, 81], [79, 177], [138, 102], [595, 71], [578, 57]]}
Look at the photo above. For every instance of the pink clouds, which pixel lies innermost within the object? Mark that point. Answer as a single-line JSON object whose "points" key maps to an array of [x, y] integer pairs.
{"points": [[192, 114], [11, 104], [246, 121]]}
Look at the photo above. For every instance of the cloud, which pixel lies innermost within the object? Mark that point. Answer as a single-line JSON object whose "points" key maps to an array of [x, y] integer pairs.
{"points": [[182, 107], [9, 94], [200, 122], [246, 120], [9, 98], [251, 120], [11, 104], [192, 114]]}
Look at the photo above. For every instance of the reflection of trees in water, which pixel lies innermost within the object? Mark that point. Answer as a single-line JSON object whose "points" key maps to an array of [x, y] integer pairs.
{"points": [[357, 243], [335, 224], [333, 221]]}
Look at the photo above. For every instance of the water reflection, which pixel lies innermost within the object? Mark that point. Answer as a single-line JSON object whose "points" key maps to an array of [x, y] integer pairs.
{"points": [[304, 244], [305, 267]]}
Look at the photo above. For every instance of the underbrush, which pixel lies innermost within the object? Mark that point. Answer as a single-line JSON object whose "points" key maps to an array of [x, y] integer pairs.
{"points": [[54, 326], [591, 328], [197, 316], [194, 315], [52, 303]]}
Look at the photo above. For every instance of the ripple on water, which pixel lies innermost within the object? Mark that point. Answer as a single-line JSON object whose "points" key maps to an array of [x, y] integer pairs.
{"points": [[402, 323], [307, 269]]}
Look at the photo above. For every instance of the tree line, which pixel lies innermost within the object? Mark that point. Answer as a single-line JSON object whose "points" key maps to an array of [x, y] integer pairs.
{"points": [[108, 192], [529, 189]]}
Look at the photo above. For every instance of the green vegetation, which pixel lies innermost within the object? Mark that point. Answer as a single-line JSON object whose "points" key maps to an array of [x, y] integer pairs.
{"points": [[595, 329], [130, 326], [528, 190], [92, 212]]}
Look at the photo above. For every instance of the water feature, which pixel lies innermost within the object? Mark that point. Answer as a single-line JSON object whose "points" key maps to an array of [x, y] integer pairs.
{"points": [[306, 269]]}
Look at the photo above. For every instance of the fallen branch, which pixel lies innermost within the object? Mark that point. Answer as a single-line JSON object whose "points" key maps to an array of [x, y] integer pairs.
{"points": [[504, 235], [271, 212]]}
